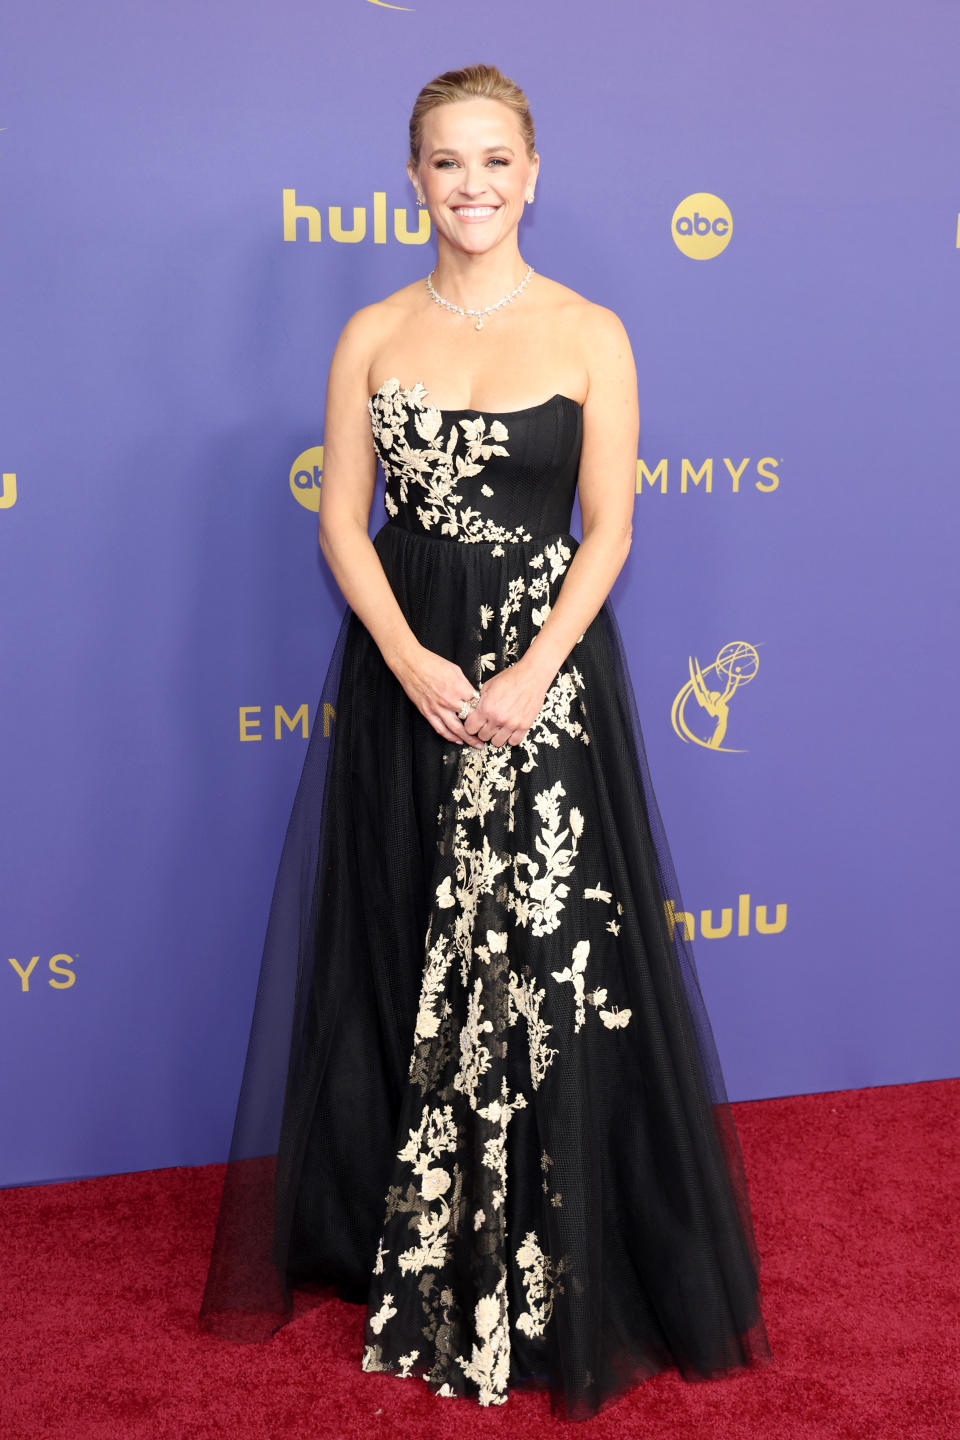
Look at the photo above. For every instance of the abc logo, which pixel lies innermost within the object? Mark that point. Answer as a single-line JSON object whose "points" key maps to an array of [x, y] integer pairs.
{"points": [[701, 226], [306, 472]]}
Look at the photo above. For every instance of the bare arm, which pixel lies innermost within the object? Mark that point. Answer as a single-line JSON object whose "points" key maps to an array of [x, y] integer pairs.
{"points": [[512, 698], [346, 495], [437, 686], [606, 486]]}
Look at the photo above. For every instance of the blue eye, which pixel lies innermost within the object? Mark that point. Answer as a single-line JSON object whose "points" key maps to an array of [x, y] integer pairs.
{"points": [[446, 162]]}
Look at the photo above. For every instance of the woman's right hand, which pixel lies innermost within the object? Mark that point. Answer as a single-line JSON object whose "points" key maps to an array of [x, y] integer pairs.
{"points": [[438, 688]]}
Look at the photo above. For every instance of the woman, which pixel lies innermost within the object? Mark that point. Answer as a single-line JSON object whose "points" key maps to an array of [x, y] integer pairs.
{"points": [[482, 1096]]}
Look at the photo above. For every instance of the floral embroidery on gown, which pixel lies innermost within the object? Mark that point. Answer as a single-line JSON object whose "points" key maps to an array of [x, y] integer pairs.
{"points": [[501, 1124]]}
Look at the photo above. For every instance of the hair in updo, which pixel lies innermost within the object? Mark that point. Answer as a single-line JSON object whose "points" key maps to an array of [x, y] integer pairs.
{"points": [[473, 82]]}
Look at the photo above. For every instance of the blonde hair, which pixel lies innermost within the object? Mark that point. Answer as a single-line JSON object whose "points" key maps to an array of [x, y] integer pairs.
{"points": [[473, 82]]}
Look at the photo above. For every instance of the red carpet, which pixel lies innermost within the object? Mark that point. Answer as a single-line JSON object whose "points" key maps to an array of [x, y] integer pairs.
{"points": [[856, 1204]]}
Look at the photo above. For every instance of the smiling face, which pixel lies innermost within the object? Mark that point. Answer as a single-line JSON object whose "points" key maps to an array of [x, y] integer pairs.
{"points": [[474, 172]]}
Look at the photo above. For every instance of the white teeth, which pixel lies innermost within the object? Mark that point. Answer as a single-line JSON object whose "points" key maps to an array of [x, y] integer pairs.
{"points": [[473, 212]]}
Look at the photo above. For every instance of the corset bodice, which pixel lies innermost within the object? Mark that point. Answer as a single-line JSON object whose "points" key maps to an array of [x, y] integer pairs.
{"points": [[477, 476]]}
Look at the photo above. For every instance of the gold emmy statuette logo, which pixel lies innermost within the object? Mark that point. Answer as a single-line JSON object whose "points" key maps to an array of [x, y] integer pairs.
{"points": [[365, 224], [306, 473], [8, 491], [60, 978], [736, 665], [701, 226]]}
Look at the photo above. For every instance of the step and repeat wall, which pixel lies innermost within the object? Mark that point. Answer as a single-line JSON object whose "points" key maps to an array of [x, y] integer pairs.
{"points": [[195, 197]]}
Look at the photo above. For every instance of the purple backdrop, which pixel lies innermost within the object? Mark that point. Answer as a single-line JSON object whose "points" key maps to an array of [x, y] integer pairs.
{"points": [[165, 344]]}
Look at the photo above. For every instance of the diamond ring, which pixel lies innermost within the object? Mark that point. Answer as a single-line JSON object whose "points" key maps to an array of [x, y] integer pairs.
{"points": [[468, 705]]}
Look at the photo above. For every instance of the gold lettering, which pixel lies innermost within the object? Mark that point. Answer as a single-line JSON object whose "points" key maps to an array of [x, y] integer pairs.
{"points": [[710, 930], [25, 974], [683, 916], [281, 718], [422, 234], [292, 212], [379, 217], [716, 932], [687, 472], [736, 473], [8, 491], [70, 977], [767, 927], [348, 237], [249, 722], [643, 474], [766, 469]]}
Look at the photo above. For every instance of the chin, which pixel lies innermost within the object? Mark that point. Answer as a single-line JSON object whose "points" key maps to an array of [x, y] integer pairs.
{"points": [[482, 236]]}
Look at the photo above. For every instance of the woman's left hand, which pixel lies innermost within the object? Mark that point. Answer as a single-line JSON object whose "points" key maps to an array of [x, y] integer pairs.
{"points": [[509, 703]]}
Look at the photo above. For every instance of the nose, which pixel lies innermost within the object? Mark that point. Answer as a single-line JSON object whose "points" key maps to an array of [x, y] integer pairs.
{"points": [[474, 182]]}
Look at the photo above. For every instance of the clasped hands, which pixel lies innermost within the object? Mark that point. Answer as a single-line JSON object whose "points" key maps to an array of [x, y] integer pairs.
{"points": [[510, 700], [508, 705]]}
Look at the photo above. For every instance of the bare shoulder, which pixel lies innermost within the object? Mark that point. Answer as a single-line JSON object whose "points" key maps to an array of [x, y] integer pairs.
{"points": [[596, 332], [607, 351], [368, 331], [602, 327], [565, 303], [603, 346], [372, 323], [585, 312]]}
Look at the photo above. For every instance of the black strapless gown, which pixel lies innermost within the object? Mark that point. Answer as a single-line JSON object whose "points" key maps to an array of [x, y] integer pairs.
{"points": [[481, 1095]]}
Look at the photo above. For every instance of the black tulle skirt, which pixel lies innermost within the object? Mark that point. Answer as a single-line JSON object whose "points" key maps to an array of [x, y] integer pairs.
{"points": [[481, 1095]]}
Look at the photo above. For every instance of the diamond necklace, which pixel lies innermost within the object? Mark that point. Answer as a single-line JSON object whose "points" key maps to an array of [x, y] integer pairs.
{"points": [[487, 309]]}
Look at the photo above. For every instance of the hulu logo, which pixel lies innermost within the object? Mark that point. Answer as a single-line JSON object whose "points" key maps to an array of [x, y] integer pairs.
{"points": [[363, 221]]}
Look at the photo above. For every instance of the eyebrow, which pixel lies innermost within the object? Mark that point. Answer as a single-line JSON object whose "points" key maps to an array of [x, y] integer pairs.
{"points": [[449, 150]]}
